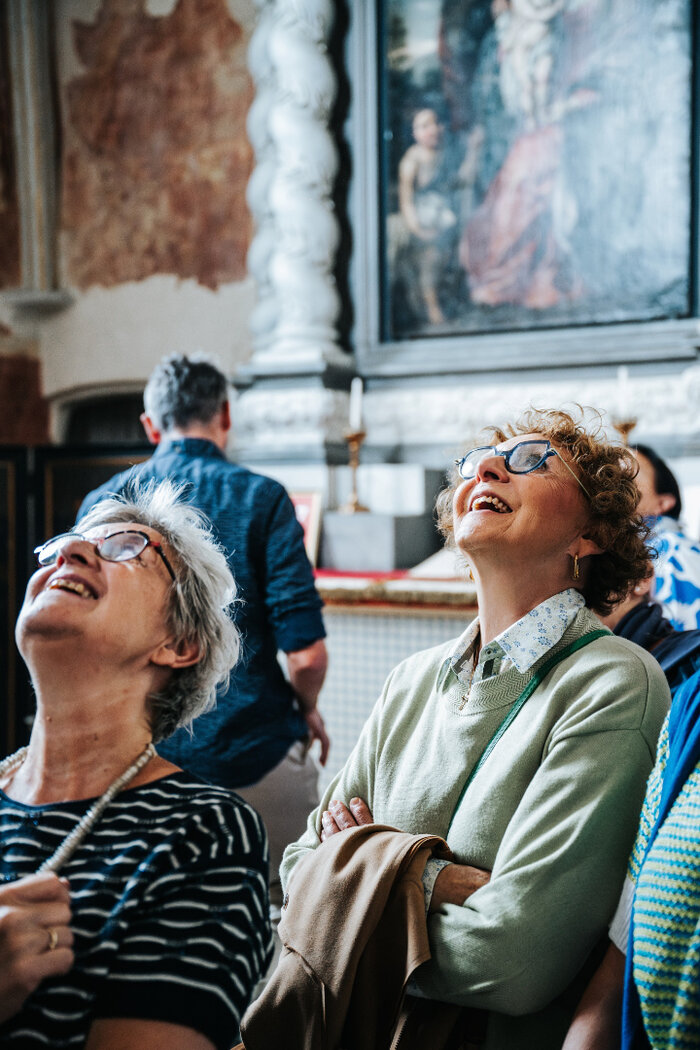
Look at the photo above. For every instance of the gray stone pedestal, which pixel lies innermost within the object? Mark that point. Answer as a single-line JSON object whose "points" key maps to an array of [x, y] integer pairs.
{"points": [[376, 542]]}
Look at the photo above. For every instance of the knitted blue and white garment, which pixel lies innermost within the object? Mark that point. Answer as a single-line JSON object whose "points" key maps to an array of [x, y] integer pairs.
{"points": [[662, 982]]}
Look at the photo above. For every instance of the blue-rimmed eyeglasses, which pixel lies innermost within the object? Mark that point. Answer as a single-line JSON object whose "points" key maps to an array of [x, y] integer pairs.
{"points": [[118, 546], [522, 458]]}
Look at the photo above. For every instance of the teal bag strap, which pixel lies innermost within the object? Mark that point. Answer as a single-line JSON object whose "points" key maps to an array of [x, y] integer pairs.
{"points": [[527, 692]]}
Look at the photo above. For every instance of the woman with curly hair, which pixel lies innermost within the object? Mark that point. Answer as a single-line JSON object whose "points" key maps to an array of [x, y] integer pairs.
{"points": [[526, 742]]}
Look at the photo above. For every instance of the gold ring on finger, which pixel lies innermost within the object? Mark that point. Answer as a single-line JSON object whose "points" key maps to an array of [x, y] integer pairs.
{"points": [[53, 939]]}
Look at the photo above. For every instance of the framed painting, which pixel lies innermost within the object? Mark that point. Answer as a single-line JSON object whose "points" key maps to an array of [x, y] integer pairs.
{"points": [[308, 509], [534, 173]]}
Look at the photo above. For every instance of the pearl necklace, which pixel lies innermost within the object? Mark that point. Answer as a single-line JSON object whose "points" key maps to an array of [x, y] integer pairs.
{"points": [[88, 821]]}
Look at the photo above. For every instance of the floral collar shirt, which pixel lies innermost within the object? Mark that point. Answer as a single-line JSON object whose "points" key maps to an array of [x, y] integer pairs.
{"points": [[522, 644]]}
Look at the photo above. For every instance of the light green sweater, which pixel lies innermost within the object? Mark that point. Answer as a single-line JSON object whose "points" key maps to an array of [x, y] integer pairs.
{"points": [[552, 814]]}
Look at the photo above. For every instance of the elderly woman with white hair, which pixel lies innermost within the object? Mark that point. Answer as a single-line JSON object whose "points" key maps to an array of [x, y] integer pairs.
{"points": [[134, 906]]}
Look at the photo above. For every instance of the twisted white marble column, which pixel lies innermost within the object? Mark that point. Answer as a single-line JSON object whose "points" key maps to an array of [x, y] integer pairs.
{"points": [[293, 252]]}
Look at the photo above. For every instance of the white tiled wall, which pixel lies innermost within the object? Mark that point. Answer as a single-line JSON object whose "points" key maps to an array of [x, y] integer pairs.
{"points": [[363, 648]]}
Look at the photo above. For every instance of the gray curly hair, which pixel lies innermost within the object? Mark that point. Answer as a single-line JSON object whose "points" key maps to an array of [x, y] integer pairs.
{"points": [[199, 599]]}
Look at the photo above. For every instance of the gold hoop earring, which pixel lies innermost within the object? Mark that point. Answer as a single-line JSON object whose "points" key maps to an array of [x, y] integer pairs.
{"points": [[577, 571]]}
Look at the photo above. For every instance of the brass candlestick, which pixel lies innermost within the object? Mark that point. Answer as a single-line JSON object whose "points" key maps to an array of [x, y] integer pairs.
{"points": [[624, 427], [354, 439]]}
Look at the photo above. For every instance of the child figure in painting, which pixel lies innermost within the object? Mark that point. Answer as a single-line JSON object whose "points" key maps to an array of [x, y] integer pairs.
{"points": [[425, 206]]}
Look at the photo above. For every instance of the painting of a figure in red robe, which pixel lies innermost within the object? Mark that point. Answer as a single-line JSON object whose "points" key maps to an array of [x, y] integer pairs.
{"points": [[537, 163]]}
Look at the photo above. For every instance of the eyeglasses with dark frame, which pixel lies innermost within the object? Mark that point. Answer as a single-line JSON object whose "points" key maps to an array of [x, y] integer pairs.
{"points": [[522, 458], [118, 546]]}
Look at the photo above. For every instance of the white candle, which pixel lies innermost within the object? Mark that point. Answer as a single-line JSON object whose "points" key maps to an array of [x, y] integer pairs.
{"points": [[356, 405], [623, 392]]}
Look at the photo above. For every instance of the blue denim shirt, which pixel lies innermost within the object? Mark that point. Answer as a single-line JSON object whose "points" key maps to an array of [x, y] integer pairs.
{"points": [[256, 720]]}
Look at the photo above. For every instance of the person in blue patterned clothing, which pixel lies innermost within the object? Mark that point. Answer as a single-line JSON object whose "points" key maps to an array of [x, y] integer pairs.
{"points": [[677, 566], [646, 992], [133, 896], [256, 740], [653, 971]]}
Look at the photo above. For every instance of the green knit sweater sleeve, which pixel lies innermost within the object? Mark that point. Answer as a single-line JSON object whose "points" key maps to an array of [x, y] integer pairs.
{"points": [[357, 778]]}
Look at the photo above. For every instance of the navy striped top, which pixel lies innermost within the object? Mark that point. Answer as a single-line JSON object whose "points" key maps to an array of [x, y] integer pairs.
{"points": [[170, 910]]}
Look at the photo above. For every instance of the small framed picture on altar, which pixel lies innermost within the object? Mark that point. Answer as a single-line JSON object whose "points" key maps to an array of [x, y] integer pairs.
{"points": [[535, 167], [307, 507]]}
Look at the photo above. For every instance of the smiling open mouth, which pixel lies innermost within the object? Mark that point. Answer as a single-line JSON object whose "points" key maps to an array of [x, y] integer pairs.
{"points": [[75, 586], [492, 503]]}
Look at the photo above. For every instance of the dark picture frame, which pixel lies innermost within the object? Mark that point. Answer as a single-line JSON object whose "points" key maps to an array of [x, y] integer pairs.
{"points": [[308, 507], [559, 218]]}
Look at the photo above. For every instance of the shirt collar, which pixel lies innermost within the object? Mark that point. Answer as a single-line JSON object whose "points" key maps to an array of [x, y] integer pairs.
{"points": [[533, 635], [190, 446], [528, 639]]}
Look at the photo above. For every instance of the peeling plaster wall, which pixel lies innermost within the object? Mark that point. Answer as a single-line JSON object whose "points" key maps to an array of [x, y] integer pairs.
{"points": [[155, 160], [115, 336]]}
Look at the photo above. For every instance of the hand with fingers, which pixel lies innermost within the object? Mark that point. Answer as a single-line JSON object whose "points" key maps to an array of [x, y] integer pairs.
{"points": [[339, 817], [35, 937], [454, 884], [317, 731]]}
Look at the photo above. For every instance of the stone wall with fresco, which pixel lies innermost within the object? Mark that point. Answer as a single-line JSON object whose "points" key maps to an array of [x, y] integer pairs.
{"points": [[155, 155], [152, 98]]}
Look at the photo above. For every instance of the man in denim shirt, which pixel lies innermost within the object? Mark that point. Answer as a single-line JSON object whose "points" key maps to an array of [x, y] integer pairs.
{"points": [[256, 740]]}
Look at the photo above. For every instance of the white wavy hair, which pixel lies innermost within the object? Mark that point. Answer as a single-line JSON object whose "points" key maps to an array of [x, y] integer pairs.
{"points": [[199, 599]]}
